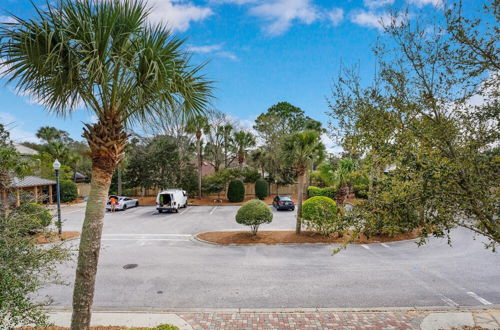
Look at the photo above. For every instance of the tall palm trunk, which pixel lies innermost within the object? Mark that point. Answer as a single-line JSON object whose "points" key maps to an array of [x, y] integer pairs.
{"points": [[107, 132], [119, 179], [200, 165], [300, 198], [90, 245]]}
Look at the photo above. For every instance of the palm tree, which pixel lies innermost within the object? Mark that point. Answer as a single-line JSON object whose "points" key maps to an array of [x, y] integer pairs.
{"points": [[300, 149], [104, 56], [198, 126], [242, 142], [48, 134], [342, 177]]}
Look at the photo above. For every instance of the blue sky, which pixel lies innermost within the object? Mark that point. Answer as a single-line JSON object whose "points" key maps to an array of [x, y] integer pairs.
{"points": [[260, 52]]}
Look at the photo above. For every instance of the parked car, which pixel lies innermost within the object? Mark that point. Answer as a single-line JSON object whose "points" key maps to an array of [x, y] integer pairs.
{"points": [[122, 203], [171, 200], [283, 203]]}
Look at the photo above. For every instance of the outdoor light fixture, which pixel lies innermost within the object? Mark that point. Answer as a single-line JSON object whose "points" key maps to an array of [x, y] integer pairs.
{"points": [[57, 167]]}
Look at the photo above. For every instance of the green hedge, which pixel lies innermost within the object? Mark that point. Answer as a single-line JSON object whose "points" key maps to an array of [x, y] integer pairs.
{"points": [[327, 192], [319, 214], [261, 189], [36, 216], [254, 213], [236, 191], [69, 192]]}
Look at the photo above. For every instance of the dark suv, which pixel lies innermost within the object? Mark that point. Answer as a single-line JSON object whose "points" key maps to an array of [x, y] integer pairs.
{"points": [[283, 203]]}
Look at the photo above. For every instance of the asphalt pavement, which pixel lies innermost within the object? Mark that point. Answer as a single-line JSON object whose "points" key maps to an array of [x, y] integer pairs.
{"points": [[166, 269]]}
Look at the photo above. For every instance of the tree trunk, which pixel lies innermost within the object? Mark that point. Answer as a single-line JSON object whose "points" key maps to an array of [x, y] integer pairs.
{"points": [[119, 179], [200, 166], [298, 226], [90, 244]]}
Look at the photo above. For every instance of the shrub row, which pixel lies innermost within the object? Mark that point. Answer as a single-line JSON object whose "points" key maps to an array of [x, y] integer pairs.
{"points": [[329, 192]]}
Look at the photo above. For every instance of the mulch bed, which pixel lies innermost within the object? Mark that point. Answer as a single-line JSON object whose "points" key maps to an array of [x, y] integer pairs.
{"points": [[289, 237], [53, 237]]}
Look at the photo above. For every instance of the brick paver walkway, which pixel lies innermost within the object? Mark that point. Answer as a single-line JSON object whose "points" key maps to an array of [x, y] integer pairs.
{"points": [[313, 320]]}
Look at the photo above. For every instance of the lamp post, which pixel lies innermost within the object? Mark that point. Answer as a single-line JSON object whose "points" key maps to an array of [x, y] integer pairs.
{"points": [[57, 167]]}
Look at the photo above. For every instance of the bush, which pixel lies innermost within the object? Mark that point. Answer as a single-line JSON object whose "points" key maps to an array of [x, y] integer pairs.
{"points": [[361, 191], [329, 192], [320, 214], [69, 192], [253, 214], [236, 191], [250, 175], [261, 189], [37, 217]]}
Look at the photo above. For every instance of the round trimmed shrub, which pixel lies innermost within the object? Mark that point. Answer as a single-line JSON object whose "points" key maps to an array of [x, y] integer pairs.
{"points": [[320, 214], [36, 217], [316, 191], [236, 191], [254, 213], [261, 190], [69, 191]]}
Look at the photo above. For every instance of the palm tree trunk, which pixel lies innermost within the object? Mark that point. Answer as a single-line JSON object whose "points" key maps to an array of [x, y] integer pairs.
{"points": [[198, 147], [119, 179], [300, 189], [90, 244]]}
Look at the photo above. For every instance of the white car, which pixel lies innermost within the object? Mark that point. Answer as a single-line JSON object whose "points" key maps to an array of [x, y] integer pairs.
{"points": [[123, 203], [171, 200]]}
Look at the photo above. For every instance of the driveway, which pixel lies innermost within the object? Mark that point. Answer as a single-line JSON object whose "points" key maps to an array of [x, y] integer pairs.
{"points": [[175, 272]]}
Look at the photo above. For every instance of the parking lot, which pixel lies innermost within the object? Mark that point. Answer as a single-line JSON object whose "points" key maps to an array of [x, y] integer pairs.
{"points": [[167, 269]]}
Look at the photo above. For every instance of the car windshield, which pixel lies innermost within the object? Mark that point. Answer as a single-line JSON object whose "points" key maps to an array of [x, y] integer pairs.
{"points": [[285, 199]]}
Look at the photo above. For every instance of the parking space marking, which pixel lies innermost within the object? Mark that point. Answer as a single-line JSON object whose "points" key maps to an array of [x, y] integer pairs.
{"points": [[365, 246], [385, 245], [186, 210], [448, 301], [213, 210], [480, 299], [186, 235]]}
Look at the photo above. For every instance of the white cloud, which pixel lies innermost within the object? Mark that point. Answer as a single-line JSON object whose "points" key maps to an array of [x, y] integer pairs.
{"points": [[280, 14], [421, 3], [14, 126], [377, 3], [336, 16], [215, 49], [7, 19], [375, 20], [330, 144], [177, 14]]}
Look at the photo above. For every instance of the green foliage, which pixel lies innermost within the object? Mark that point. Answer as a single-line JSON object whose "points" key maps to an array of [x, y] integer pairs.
{"points": [[39, 216], [261, 189], [254, 213], [329, 192], [360, 182], [25, 268], [158, 162], [421, 118], [236, 191], [250, 175], [320, 214], [69, 191], [160, 327]]}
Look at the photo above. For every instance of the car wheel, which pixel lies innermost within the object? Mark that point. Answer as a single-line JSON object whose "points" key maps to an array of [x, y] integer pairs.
{"points": [[136, 204], [177, 210], [124, 207], [160, 211]]}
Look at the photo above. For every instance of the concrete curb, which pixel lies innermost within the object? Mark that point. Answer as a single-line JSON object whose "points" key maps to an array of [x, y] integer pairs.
{"points": [[196, 238], [146, 310]]}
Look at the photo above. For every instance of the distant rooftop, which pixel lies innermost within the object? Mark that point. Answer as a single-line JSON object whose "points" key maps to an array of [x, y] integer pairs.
{"points": [[31, 181], [23, 150]]}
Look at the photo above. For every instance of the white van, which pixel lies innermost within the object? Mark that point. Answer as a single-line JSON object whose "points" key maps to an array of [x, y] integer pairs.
{"points": [[171, 200]]}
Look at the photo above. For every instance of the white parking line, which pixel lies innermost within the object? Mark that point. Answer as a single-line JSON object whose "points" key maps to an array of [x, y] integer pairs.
{"points": [[146, 239], [365, 246], [480, 299], [385, 245], [448, 301], [213, 210], [185, 210], [186, 235]]}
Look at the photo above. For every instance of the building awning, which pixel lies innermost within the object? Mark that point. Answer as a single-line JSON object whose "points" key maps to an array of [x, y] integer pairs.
{"points": [[31, 181]]}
